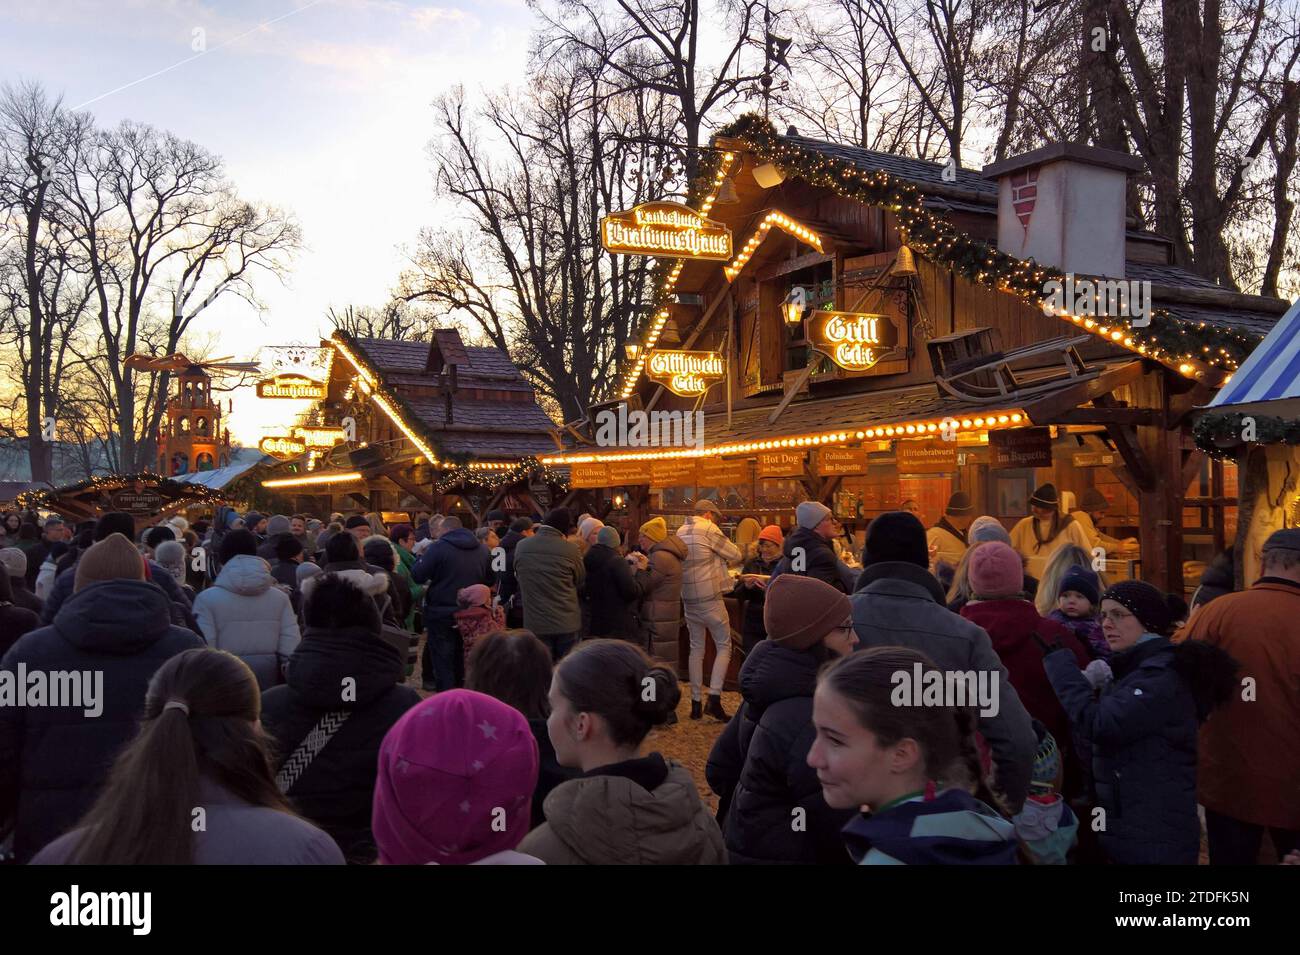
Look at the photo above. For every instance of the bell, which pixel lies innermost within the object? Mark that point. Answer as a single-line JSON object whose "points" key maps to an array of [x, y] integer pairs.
{"points": [[726, 194], [905, 264]]}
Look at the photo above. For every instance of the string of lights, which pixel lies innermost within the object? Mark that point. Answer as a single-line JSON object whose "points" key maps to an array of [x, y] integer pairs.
{"points": [[166, 487]]}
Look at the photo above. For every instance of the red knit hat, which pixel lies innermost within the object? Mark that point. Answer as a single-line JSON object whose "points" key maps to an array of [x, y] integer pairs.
{"points": [[772, 533], [456, 779], [996, 570]]}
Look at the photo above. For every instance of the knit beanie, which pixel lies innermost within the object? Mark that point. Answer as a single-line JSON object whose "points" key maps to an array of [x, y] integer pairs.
{"points": [[587, 525], [560, 518], [896, 536], [113, 558], [656, 529], [1093, 500], [1047, 762], [14, 561], [306, 570], [279, 524], [959, 504], [986, 528], [1144, 602], [252, 519], [772, 533], [811, 513], [1083, 581], [996, 570], [356, 520], [608, 536], [1046, 496], [475, 595], [799, 611], [448, 769]]}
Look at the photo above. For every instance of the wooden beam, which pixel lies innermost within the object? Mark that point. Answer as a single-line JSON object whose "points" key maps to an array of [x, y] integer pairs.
{"points": [[1126, 443], [414, 490], [1046, 410], [786, 266], [1191, 466], [1180, 406], [1126, 416], [828, 489]]}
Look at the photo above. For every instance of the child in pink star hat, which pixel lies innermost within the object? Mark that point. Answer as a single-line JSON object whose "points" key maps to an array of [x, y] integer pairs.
{"points": [[455, 784]]}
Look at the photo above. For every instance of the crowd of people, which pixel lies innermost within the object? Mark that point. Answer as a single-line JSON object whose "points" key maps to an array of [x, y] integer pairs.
{"points": [[257, 703]]}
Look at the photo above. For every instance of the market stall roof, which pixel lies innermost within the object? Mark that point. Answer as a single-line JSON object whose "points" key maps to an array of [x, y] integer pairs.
{"points": [[480, 427], [242, 460], [1269, 380]]}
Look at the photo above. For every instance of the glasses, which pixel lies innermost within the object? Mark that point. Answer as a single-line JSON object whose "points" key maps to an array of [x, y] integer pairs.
{"points": [[1115, 616]]}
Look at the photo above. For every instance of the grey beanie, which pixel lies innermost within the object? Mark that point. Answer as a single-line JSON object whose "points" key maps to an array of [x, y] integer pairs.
{"points": [[279, 524]]}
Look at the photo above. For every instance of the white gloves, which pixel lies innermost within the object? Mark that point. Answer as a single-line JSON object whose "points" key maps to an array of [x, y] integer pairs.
{"points": [[1098, 674]]}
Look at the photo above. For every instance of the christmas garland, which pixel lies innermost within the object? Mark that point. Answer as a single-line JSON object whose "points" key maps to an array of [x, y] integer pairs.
{"points": [[1166, 339], [107, 482], [1220, 434], [495, 480]]}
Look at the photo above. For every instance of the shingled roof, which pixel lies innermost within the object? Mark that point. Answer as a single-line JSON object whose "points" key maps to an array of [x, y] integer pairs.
{"points": [[480, 427]]}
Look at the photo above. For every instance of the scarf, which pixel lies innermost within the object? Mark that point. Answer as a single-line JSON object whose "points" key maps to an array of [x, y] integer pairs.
{"points": [[1059, 524], [960, 535]]}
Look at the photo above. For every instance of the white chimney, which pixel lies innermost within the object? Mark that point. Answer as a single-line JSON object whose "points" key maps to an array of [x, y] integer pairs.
{"points": [[1064, 206]]}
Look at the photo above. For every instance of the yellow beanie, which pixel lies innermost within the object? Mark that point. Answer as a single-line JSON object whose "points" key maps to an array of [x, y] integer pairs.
{"points": [[656, 529]]}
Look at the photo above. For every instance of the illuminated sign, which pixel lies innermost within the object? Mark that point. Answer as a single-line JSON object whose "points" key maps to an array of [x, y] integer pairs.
{"points": [[301, 438], [855, 341], [281, 446], [290, 386], [685, 373], [666, 230]]}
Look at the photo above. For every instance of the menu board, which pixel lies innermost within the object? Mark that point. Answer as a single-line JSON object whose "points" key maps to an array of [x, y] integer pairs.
{"points": [[782, 463], [589, 475], [841, 461], [628, 472], [1021, 447], [721, 472], [673, 472], [926, 457]]}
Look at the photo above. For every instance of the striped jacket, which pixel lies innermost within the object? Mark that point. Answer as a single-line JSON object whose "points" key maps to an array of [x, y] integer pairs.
{"points": [[708, 552]]}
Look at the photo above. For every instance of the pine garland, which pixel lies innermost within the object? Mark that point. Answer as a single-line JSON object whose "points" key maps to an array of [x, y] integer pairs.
{"points": [[1221, 434], [495, 480], [199, 493], [1166, 339]]}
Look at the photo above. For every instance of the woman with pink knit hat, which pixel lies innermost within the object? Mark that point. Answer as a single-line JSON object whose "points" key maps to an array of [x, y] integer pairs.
{"points": [[1019, 634], [455, 785]]}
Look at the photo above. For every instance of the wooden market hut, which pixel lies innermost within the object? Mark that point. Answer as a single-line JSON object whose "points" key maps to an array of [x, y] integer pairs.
{"points": [[439, 426], [145, 496], [1254, 422], [951, 265]]}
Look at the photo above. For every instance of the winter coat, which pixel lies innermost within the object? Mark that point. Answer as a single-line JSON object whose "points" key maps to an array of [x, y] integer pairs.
{"points": [[752, 601], [643, 811], [1011, 625], [456, 560], [14, 622], [415, 592], [613, 591], [245, 613], [549, 569], [661, 607], [509, 583], [708, 552], [234, 833], [24, 598], [759, 766], [367, 578], [819, 559], [901, 604], [65, 581], [336, 790], [549, 771], [53, 760], [1141, 731], [957, 829], [1250, 750]]}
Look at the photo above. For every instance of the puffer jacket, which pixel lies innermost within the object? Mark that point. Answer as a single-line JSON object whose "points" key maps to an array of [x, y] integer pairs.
{"points": [[1142, 733], [661, 607], [54, 760], [759, 766], [246, 613], [753, 600], [336, 789], [643, 811], [901, 605], [612, 592], [819, 559], [64, 585], [456, 560]]}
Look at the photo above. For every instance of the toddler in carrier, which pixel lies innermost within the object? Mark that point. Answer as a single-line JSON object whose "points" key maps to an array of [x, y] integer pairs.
{"points": [[478, 616]]}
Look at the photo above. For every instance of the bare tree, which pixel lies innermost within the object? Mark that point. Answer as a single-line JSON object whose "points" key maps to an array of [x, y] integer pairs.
{"points": [[397, 320]]}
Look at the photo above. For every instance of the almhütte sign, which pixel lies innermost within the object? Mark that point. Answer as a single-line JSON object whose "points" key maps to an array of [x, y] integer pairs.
{"points": [[290, 386], [666, 230]]}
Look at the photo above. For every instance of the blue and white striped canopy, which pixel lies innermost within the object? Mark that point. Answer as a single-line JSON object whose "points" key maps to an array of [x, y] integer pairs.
{"points": [[1272, 372]]}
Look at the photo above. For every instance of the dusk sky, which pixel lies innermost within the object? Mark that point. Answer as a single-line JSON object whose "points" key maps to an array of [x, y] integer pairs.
{"points": [[323, 111]]}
